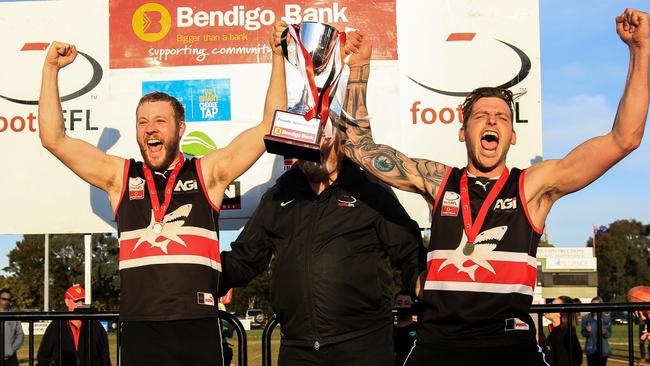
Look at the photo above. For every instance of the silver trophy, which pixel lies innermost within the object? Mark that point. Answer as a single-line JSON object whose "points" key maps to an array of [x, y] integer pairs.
{"points": [[316, 52]]}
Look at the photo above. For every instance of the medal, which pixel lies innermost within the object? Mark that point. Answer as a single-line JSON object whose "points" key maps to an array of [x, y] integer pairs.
{"points": [[158, 208], [472, 228]]}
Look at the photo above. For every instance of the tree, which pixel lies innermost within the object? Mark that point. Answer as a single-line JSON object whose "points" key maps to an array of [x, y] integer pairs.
{"points": [[623, 258], [254, 295], [26, 270]]}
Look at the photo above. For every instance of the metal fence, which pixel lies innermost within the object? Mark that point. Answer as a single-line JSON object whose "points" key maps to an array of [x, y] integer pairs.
{"points": [[86, 317], [535, 309]]}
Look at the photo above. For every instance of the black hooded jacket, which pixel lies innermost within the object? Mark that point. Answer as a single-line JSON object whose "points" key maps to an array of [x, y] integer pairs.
{"points": [[330, 255]]}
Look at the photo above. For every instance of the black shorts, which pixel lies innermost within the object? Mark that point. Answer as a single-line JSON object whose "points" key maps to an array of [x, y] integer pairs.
{"points": [[375, 348], [173, 343], [525, 354]]}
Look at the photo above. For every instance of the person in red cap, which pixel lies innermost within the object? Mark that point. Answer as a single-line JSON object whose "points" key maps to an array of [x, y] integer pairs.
{"points": [[74, 332]]}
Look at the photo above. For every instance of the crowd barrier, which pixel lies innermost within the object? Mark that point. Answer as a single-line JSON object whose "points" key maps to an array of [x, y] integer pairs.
{"points": [[539, 310], [86, 315]]}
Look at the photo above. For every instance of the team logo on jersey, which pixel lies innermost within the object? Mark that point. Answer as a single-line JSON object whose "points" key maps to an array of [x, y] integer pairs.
{"points": [[505, 204], [168, 232], [186, 186], [484, 244], [205, 298], [136, 188], [450, 204], [516, 324], [347, 201]]}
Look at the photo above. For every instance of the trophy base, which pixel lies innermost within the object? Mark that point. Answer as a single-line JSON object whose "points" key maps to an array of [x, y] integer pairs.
{"points": [[291, 148]]}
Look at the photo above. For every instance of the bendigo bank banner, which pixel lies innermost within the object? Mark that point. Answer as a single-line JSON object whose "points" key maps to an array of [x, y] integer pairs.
{"points": [[214, 57], [184, 33]]}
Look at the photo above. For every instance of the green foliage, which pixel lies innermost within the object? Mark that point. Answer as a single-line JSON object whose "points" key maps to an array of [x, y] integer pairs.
{"points": [[26, 270], [255, 295], [623, 259]]}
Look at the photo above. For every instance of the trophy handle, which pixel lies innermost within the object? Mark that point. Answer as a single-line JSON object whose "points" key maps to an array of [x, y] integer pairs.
{"points": [[284, 42]]}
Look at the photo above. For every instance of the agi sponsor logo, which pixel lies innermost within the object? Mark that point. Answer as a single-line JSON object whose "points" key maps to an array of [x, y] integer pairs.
{"points": [[151, 22], [506, 204], [186, 186]]}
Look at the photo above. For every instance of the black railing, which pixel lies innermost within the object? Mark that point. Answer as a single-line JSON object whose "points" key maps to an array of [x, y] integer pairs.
{"points": [[536, 309], [598, 309], [86, 317]]}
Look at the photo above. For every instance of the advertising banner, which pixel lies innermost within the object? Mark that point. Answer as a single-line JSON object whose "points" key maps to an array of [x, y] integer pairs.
{"points": [[214, 57]]}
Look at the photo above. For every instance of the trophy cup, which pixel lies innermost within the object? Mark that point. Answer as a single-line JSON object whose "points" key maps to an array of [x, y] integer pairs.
{"points": [[297, 132]]}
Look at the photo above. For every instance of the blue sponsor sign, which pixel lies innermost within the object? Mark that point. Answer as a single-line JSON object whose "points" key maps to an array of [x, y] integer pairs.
{"points": [[204, 100]]}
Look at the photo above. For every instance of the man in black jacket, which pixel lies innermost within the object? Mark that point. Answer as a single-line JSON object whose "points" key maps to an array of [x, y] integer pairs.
{"points": [[327, 229], [73, 338]]}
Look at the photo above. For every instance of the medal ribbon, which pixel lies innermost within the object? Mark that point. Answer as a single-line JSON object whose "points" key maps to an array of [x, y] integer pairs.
{"points": [[158, 210], [472, 229], [305, 64]]}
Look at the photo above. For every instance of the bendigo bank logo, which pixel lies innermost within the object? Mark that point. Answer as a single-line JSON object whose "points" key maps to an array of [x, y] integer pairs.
{"points": [[95, 77], [151, 22], [477, 50]]}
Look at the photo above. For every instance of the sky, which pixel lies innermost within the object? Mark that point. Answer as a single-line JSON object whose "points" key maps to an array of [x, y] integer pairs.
{"points": [[584, 66]]}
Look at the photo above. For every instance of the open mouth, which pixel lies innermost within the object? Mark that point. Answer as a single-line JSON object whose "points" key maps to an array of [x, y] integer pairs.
{"points": [[489, 140], [154, 145]]}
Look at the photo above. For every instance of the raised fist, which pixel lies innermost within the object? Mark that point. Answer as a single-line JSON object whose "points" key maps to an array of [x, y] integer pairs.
{"points": [[359, 49], [633, 27], [60, 55], [276, 36]]}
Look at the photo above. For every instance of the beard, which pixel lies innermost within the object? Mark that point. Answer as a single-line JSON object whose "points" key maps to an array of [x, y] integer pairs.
{"points": [[171, 151], [315, 172]]}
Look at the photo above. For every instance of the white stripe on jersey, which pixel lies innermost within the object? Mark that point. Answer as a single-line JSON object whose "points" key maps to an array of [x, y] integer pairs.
{"points": [[494, 256], [170, 259], [183, 230], [478, 287]]}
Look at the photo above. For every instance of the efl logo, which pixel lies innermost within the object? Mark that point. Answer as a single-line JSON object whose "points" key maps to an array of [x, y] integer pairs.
{"points": [[151, 22], [473, 47], [95, 75]]}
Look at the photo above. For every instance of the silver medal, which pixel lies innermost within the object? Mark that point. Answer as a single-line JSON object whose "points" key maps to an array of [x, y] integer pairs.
{"points": [[157, 228]]}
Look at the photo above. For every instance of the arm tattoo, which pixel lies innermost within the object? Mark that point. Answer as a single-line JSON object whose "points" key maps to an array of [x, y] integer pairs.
{"points": [[380, 160], [355, 101]]}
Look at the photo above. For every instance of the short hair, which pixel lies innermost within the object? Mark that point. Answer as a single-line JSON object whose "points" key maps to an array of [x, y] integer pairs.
{"points": [[485, 92], [597, 298], [157, 96], [7, 290]]}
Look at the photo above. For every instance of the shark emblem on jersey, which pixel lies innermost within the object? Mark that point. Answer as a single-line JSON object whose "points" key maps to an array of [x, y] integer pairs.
{"points": [[484, 244], [171, 222]]}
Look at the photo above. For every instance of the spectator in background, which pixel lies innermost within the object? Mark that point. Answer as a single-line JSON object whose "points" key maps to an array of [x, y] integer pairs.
{"points": [[590, 332], [562, 346], [13, 330], [73, 346], [405, 327], [644, 337]]}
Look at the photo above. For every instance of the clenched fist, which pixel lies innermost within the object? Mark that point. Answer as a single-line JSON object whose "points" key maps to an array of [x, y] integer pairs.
{"points": [[60, 55], [633, 26]]}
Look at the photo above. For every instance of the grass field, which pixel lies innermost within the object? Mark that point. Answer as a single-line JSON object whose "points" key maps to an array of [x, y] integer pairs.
{"points": [[618, 342]]}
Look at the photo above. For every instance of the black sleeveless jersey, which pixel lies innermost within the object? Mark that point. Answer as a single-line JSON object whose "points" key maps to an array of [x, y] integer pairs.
{"points": [[480, 296], [173, 274]]}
